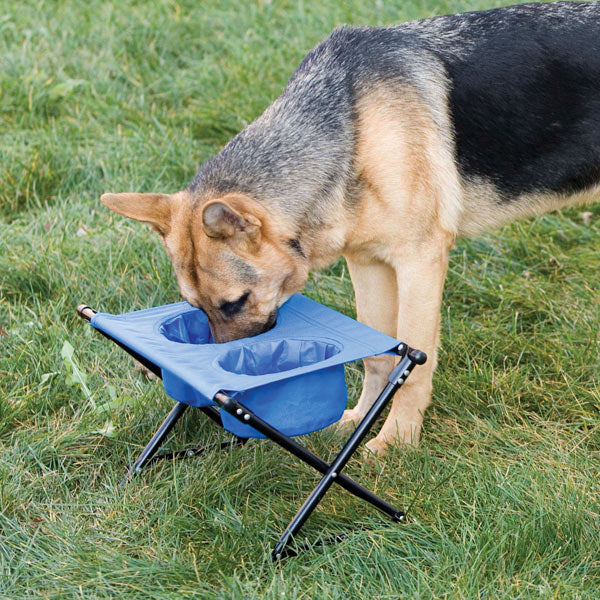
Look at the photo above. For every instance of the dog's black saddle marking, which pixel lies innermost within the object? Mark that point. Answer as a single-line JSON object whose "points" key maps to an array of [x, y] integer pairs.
{"points": [[525, 98]]}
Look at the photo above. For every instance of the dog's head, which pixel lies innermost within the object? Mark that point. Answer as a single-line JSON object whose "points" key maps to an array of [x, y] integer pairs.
{"points": [[232, 258]]}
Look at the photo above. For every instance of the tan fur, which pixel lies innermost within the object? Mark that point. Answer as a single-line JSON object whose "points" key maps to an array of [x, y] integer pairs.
{"points": [[398, 249], [484, 209], [396, 241], [154, 209]]}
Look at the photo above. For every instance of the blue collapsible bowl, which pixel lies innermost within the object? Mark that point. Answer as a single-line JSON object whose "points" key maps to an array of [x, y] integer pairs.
{"points": [[292, 376], [296, 405]]}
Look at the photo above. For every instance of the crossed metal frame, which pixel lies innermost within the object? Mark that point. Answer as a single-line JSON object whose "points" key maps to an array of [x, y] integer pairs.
{"points": [[332, 473]]}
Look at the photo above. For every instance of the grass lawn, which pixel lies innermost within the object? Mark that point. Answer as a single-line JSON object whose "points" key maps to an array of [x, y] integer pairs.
{"points": [[504, 490]]}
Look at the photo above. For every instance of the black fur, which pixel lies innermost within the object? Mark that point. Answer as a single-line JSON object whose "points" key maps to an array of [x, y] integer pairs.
{"points": [[295, 245], [526, 100], [230, 309]]}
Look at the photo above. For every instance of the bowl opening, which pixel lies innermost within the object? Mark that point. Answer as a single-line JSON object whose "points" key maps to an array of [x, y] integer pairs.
{"points": [[190, 327], [263, 358]]}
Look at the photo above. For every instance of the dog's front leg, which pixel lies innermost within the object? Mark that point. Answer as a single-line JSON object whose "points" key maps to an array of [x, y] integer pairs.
{"points": [[420, 275], [376, 305]]}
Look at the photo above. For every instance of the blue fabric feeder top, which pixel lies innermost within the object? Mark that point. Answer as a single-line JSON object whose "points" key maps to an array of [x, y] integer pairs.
{"points": [[292, 374]]}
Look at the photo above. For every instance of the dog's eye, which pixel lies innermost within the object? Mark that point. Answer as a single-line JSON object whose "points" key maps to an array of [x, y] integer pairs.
{"points": [[230, 309]]}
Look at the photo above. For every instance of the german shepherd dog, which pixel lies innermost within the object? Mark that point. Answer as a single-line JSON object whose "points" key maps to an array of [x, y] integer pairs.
{"points": [[385, 146]]}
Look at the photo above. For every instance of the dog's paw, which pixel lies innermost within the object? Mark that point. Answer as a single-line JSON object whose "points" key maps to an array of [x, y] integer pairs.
{"points": [[347, 424], [376, 447], [407, 436]]}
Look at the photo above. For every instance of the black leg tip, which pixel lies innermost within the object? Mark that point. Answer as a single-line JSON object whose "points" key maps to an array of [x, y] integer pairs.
{"points": [[418, 357], [281, 551]]}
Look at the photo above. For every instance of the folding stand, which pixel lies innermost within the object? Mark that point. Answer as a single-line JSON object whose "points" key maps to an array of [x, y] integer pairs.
{"points": [[331, 472]]}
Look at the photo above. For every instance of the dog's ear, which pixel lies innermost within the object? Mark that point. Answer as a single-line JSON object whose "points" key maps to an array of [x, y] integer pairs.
{"points": [[154, 209], [231, 217]]}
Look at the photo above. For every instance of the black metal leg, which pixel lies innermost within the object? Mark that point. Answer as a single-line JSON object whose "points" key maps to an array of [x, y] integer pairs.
{"points": [[148, 454], [396, 379], [157, 439], [240, 412], [334, 471]]}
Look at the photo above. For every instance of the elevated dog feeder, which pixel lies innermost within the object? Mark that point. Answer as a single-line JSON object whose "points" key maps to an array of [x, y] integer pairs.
{"points": [[286, 382]]}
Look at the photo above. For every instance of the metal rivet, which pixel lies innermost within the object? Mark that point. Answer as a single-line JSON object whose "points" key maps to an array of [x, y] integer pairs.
{"points": [[406, 373], [246, 417], [239, 411], [334, 475], [278, 556], [400, 381]]}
